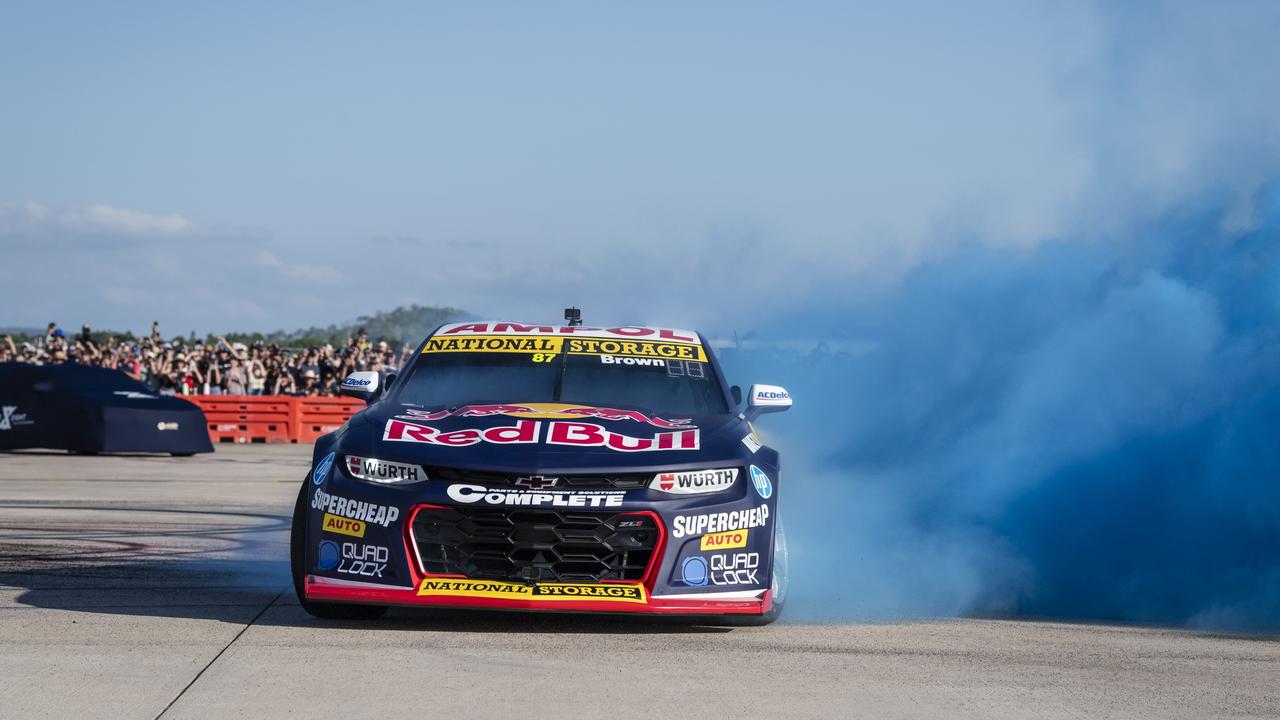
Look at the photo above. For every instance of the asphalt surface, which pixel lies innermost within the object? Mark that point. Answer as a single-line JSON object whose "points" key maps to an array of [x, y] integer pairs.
{"points": [[145, 587]]}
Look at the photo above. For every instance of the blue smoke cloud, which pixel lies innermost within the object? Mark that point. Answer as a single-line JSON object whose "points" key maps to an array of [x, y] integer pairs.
{"points": [[1085, 430]]}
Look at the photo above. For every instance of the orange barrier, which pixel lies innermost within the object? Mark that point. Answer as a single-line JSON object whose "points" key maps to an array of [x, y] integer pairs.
{"points": [[316, 416], [272, 418]]}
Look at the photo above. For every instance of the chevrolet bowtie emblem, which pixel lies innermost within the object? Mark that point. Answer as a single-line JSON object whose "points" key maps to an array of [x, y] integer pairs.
{"points": [[536, 482]]}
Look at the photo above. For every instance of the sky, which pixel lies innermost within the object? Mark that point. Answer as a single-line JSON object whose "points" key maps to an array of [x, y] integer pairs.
{"points": [[262, 166], [1018, 263]]}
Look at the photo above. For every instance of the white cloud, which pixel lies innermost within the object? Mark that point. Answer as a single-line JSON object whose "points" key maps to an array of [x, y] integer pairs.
{"points": [[296, 270], [32, 220]]}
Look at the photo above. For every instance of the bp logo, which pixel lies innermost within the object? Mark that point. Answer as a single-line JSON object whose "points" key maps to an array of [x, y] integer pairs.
{"points": [[328, 559], [760, 481], [322, 469], [694, 571]]}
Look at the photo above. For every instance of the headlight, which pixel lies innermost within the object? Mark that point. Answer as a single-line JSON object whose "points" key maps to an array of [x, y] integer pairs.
{"points": [[383, 472], [694, 482]]}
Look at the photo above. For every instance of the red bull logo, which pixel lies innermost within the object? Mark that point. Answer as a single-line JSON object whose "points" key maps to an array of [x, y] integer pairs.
{"points": [[580, 434]]}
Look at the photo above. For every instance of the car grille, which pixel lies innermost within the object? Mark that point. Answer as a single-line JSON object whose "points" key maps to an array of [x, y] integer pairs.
{"points": [[534, 545], [577, 482]]}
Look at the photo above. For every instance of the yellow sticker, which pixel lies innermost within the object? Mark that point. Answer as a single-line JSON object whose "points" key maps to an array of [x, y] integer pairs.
{"points": [[495, 343], [636, 348], [724, 540], [601, 592], [343, 526], [549, 347]]}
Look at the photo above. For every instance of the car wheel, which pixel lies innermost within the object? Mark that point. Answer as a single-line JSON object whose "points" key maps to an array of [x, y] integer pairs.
{"points": [[778, 588], [298, 561]]}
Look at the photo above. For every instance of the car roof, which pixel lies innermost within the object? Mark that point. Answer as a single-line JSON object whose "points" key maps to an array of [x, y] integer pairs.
{"points": [[624, 332]]}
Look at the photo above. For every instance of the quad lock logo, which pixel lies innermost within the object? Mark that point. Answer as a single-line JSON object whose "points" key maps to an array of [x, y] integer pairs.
{"points": [[352, 558], [723, 569]]}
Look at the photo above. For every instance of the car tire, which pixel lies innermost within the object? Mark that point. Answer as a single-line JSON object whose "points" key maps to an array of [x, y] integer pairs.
{"points": [[779, 587], [297, 564]]}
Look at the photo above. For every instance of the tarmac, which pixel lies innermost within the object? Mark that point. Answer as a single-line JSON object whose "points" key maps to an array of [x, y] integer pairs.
{"points": [[157, 587]]}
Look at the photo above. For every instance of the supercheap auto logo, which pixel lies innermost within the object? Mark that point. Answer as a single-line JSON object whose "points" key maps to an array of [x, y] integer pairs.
{"points": [[603, 592], [690, 525], [360, 510]]}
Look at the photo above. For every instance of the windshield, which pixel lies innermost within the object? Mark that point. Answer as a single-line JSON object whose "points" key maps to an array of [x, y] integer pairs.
{"points": [[662, 377]]}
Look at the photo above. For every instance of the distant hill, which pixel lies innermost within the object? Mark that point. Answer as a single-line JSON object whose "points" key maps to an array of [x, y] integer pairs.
{"points": [[402, 325]]}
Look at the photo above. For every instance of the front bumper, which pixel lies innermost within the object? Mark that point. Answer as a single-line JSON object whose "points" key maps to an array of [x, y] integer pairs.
{"points": [[362, 549], [751, 602]]}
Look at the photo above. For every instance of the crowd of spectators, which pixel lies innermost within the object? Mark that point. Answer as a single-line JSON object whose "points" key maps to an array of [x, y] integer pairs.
{"points": [[190, 367]]}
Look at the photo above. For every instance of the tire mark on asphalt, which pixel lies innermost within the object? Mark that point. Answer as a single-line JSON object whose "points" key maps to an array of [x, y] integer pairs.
{"points": [[196, 679]]}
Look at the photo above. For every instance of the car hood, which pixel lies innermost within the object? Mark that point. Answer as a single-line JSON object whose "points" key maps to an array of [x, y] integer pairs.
{"points": [[524, 437]]}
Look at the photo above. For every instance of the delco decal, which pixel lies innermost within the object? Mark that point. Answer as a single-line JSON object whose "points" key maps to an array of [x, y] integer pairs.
{"points": [[545, 411], [694, 482], [582, 498], [576, 434], [724, 540], [773, 395], [360, 510], [719, 522], [602, 592]]}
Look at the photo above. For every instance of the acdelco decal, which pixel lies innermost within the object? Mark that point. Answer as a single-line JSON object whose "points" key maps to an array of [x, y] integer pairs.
{"points": [[584, 498], [577, 434], [724, 540], [360, 510], [719, 522], [603, 592], [342, 526]]}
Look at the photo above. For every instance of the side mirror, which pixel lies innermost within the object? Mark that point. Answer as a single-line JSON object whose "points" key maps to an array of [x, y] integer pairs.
{"points": [[363, 385], [767, 399]]}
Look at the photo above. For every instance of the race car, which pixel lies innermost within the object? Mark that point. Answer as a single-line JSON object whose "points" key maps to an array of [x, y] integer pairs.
{"points": [[515, 466]]}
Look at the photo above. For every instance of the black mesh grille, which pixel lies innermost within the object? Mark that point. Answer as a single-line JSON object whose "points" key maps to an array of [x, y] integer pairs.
{"points": [[534, 545], [503, 480]]}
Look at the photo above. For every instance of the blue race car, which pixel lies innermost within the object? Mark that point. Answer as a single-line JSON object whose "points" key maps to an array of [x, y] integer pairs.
{"points": [[539, 467]]}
